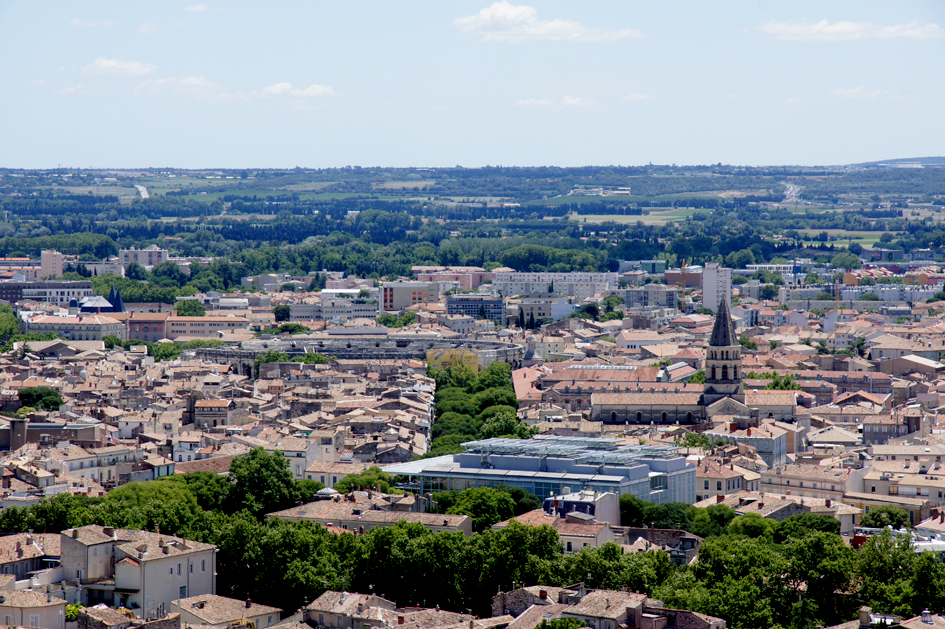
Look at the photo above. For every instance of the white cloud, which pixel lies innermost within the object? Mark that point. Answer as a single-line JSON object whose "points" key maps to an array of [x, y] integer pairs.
{"points": [[566, 102], [849, 31], [191, 87], [857, 92], [149, 27], [793, 101], [103, 65], [511, 24], [78, 90], [39, 82], [77, 22], [637, 97], [287, 89]]}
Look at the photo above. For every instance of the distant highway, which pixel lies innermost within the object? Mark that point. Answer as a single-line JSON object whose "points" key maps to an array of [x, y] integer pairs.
{"points": [[143, 191], [791, 192]]}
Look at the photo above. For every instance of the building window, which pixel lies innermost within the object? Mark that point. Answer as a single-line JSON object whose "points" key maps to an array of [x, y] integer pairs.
{"points": [[178, 574], [203, 565], [718, 485], [183, 591], [707, 484]]}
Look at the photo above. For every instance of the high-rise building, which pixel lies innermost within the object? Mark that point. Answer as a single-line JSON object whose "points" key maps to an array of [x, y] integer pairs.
{"points": [[51, 264], [716, 286]]}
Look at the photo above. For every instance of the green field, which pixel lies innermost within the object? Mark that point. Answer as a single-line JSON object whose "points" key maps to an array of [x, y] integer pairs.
{"points": [[654, 217], [843, 236]]}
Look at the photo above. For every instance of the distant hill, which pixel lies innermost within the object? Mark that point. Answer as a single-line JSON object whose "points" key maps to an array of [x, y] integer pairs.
{"points": [[905, 162]]}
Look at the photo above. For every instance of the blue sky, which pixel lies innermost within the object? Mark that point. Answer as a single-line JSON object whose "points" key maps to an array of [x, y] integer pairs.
{"points": [[319, 84]]}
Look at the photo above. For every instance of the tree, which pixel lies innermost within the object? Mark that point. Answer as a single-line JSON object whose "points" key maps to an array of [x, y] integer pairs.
{"points": [[846, 260], [262, 482], [137, 272], [712, 520], [291, 328], [506, 424], [747, 343], [751, 524], [271, 356], [190, 308], [169, 274], [371, 478], [884, 566], [768, 292], [671, 515], [281, 313], [697, 378], [813, 278], [783, 383], [41, 397], [631, 510], [869, 297], [804, 524], [886, 515], [484, 505]]}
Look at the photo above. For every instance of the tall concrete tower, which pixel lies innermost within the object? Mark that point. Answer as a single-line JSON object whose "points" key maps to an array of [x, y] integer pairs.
{"points": [[716, 286]]}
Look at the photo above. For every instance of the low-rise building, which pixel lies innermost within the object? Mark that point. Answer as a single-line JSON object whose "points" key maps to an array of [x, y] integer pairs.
{"points": [[203, 326], [26, 608], [815, 481], [78, 328], [210, 610]]}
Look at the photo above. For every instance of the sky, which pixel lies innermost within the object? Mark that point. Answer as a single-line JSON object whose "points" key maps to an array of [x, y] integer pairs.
{"points": [[318, 83]]}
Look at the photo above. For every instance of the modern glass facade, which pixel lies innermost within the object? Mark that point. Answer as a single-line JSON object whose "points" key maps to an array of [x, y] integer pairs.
{"points": [[548, 465]]}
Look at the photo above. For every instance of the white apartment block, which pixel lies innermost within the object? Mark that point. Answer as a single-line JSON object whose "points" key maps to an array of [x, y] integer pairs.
{"points": [[580, 285], [203, 326], [148, 257], [716, 286], [333, 310]]}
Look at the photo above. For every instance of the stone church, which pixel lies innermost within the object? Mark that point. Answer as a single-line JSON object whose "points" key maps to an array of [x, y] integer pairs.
{"points": [[723, 392]]}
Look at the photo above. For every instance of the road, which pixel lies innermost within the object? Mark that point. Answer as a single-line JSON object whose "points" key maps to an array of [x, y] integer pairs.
{"points": [[143, 191], [791, 192]]}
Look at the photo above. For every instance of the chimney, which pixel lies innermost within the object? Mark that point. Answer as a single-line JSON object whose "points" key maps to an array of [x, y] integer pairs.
{"points": [[828, 502], [927, 617], [719, 498], [542, 594], [400, 620], [75, 533], [249, 603]]}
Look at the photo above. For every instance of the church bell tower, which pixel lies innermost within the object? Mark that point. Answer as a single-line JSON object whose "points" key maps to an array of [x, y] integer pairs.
{"points": [[723, 363]]}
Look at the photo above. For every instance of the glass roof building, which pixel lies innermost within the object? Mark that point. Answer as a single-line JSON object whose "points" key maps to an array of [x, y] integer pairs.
{"points": [[550, 465]]}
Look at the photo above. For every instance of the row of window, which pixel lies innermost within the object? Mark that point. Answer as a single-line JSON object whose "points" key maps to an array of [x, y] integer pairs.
{"points": [[203, 568]]}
